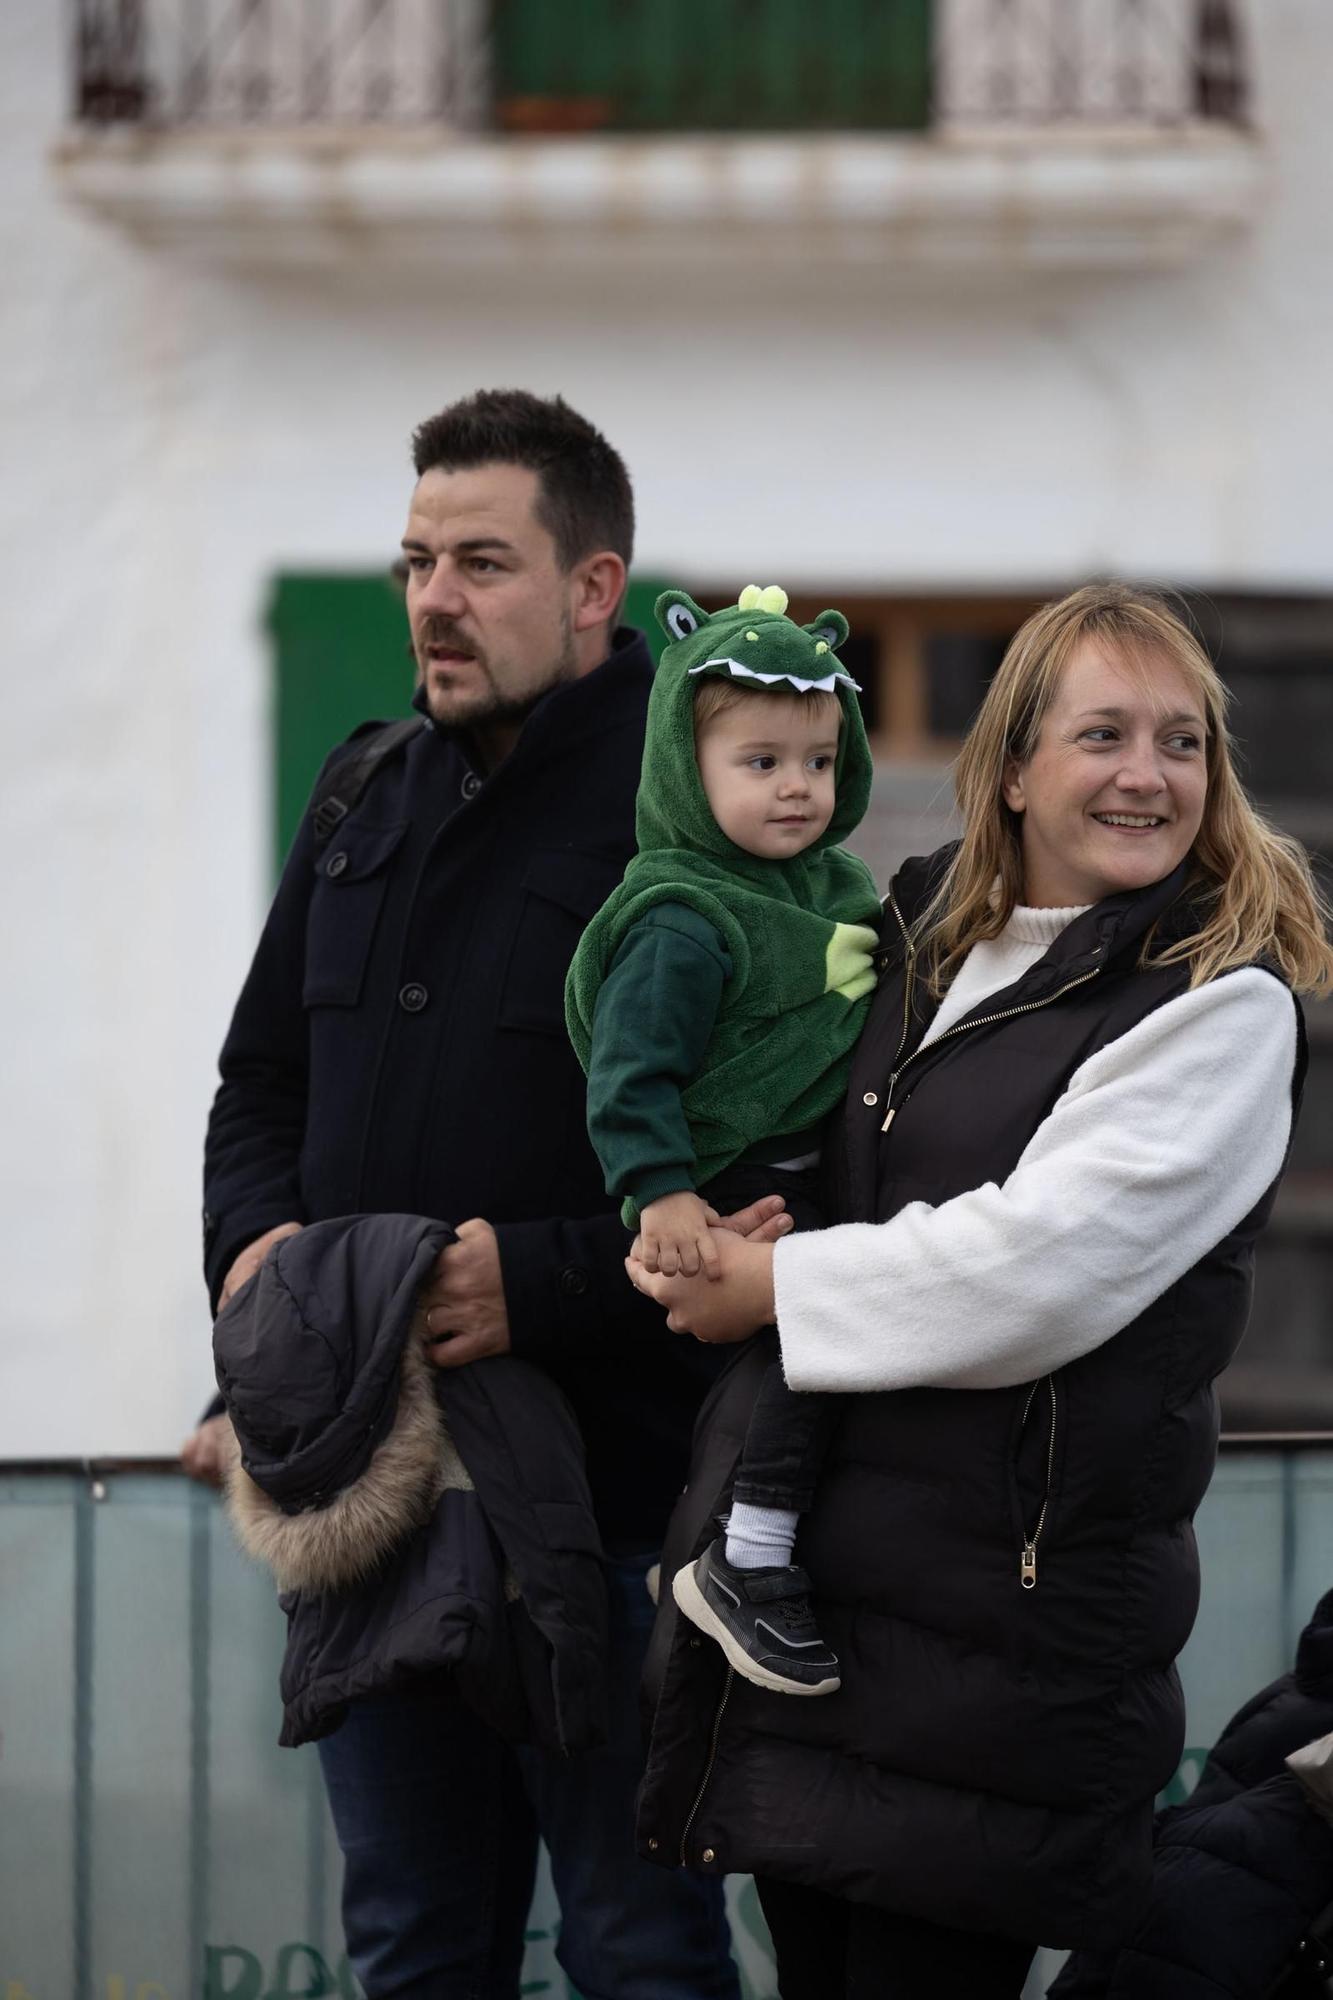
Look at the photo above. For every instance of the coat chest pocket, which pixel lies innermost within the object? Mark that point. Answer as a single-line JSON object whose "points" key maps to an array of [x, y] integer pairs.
{"points": [[562, 891], [351, 878]]}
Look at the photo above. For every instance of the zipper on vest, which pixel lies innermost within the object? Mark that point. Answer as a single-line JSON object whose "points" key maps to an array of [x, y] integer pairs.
{"points": [[909, 970], [966, 1027], [1027, 1562], [708, 1767]]}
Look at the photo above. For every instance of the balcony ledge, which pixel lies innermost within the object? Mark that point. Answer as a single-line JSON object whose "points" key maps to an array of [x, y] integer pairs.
{"points": [[1011, 198]]}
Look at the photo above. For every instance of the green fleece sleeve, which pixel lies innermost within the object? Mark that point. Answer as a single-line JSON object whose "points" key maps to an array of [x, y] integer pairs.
{"points": [[653, 1017]]}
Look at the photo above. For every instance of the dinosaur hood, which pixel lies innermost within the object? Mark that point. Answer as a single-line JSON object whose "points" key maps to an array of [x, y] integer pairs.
{"points": [[752, 644]]}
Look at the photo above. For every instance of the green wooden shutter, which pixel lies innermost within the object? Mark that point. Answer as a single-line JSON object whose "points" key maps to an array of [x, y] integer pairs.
{"points": [[711, 65], [340, 657]]}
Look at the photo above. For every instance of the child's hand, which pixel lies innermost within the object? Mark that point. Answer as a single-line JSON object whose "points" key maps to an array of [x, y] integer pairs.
{"points": [[674, 1234]]}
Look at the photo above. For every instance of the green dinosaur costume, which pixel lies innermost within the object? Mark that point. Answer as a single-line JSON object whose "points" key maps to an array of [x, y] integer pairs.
{"points": [[790, 941]]}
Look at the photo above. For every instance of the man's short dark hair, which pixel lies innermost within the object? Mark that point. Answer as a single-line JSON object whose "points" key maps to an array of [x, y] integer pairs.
{"points": [[584, 498]]}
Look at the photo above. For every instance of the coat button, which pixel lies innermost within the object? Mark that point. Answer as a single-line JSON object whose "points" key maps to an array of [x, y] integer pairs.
{"points": [[335, 864], [870, 1098], [574, 1280], [471, 785], [413, 998], [652, 1846], [708, 1855]]}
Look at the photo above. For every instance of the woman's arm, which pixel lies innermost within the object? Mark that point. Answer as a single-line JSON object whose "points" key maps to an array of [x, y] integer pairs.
{"points": [[1161, 1144]]}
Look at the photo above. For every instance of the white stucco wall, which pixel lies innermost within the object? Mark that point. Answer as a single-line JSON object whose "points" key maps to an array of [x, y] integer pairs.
{"points": [[174, 436]]}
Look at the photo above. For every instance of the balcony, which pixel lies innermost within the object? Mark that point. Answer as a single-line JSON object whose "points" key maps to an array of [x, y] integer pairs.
{"points": [[955, 133]]}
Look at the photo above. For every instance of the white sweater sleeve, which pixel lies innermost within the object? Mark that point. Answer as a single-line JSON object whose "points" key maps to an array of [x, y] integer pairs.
{"points": [[1162, 1143]]}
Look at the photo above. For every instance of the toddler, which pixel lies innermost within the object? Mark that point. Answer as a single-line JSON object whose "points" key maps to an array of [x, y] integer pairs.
{"points": [[714, 1001]]}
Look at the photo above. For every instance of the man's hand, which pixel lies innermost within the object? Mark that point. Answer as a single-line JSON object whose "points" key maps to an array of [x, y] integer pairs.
{"points": [[461, 1308], [203, 1452], [249, 1261], [729, 1307], [673, 1235]]}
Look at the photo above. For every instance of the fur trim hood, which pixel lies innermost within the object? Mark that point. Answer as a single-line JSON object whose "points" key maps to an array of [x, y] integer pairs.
{"points": [[340, 1449], [336, 1545]]}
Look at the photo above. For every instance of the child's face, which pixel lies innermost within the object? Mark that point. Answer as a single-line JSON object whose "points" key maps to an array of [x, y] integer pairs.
{"points": [[767, 769]]}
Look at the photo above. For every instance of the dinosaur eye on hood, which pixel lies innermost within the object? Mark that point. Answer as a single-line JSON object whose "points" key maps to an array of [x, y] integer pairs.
{"points": [[830, 627], [678, 615]]}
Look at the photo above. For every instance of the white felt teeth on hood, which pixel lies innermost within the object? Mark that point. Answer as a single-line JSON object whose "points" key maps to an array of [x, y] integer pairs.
{"points": [[744, 673]]}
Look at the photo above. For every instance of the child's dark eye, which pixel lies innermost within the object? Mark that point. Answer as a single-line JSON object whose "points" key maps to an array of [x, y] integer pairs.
{"points": [[764, 763], [820, 763]]}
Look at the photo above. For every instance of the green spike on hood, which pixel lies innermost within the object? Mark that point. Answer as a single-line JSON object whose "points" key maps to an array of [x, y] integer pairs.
{"points": [[752, 643]]}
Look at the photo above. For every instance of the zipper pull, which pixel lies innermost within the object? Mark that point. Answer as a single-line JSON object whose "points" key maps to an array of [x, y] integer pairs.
{"points": [[889, 1117], [1027, 1566]]}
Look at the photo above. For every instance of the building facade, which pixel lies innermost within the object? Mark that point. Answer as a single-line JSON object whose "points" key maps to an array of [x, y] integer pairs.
{"points": [[929, 324]]}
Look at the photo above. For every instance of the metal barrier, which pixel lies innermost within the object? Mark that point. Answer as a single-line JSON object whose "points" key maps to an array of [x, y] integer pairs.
{"points": [[156, 1845]]}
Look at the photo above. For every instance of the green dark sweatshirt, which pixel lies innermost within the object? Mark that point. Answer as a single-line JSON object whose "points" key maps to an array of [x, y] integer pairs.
{"points": [[715, 997]]}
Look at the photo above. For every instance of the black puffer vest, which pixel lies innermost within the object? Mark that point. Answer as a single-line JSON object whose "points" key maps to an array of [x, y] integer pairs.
{"points": [[1007, 1575]]}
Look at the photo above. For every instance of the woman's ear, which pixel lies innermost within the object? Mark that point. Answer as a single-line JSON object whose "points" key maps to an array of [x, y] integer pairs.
{"points": [[1011, 785]]}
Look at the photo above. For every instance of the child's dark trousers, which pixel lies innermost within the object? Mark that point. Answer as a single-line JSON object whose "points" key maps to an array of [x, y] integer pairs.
{"points": [[789, 1431]]}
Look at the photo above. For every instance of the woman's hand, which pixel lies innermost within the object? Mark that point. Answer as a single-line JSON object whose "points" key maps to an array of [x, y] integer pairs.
{"points": [[729, 1307]]}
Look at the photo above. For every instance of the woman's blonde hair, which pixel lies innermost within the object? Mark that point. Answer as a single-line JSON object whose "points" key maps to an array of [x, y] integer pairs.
{"points": [[1253, 886]]}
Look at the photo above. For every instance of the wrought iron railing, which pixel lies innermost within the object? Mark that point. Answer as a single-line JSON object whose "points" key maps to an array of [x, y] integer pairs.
{"points": [[1109, 62], [657, 65]]}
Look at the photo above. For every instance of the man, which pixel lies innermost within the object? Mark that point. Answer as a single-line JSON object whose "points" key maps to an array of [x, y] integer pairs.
{"points": [[399, 1045]]}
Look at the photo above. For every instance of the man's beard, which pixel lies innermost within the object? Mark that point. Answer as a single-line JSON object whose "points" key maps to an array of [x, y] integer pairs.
{"points": [[481, 707]]}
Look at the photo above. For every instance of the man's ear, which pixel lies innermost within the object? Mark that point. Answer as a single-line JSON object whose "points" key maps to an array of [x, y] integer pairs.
{"points": [[599, 586], [1011, 785]]}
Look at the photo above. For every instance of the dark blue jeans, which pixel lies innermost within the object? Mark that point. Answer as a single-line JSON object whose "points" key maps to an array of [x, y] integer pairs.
{"points": [[438, 1820]]}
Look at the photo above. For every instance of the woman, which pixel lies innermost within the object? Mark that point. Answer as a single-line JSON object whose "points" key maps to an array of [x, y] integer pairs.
{"points": [[1065, 1125]]}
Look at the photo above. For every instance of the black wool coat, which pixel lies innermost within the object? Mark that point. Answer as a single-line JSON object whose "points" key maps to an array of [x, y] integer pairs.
{"points": [[399, 1046], [991, 1759], [420, 1524], [1243, 1867]]}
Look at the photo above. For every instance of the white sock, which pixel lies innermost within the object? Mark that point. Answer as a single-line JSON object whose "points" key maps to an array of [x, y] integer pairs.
{"points": [[760, 1537]]}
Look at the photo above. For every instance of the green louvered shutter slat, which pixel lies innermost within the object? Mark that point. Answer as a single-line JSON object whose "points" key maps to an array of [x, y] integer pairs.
{"points": [[711, 65]]}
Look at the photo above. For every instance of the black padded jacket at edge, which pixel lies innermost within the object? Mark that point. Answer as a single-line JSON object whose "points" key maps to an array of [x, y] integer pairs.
{"points": [[1243, 1868]]}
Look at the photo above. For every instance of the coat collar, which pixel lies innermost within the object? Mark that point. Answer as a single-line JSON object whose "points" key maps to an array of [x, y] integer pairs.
{"points": [[1108, 937], [569, 716], [1115, 926]]}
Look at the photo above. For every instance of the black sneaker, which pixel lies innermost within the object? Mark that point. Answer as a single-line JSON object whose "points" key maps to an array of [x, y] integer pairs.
{"points": [[761, 1618]]}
